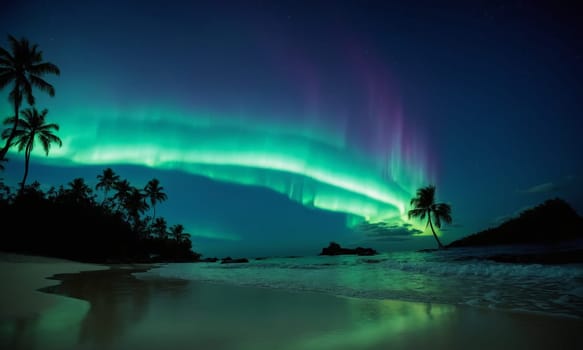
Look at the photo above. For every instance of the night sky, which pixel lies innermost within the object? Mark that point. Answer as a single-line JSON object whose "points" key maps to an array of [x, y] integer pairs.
{"points": [[278, 126]]}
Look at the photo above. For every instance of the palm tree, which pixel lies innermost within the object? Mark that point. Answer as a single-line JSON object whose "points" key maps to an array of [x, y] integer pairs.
{"points": [[23, 68], [123, 189], [4, 191], [177, 232], [159, 228], [424, 205], [107, 181], [31, 127], [135, 204], [154, 194], [80, 192]]}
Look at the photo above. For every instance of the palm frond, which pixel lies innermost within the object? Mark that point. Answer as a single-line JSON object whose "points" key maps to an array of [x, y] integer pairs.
{"points": [[425, 197], [443, 212], [5, 79], [9, 121], [50, 127], [414, 202], [5, 63], [418, 213], [42, 85], [436, 219], [21, 142], [6, 55], [15, 44], [44, 68]]}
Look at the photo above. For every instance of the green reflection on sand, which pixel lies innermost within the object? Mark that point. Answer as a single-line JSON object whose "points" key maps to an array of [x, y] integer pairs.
{"points": [[56, 327], [375, 322]]}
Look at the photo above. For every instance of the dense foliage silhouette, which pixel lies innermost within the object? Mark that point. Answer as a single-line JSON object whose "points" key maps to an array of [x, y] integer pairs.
{"points": [[69, 222]]}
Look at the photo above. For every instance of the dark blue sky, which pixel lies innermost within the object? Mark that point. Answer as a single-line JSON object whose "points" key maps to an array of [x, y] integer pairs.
{"points": [[482, 98]]}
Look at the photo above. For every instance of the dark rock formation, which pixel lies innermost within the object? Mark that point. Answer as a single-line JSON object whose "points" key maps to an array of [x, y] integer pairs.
{"points": [[209, 260], [335, 249], [229, 260]]}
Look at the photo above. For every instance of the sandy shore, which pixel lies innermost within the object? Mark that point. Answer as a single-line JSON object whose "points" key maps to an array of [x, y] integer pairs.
{"points": [[23, 275], [125, 312]]}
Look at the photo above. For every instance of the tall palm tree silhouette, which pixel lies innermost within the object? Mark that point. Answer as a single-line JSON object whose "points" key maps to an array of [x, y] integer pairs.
{"points": [[177, 232], [80, 192], [29, 128], [24, 68], [160, 228], [135, 204], [107, 181], [424, 205], [123, 189], [154, 193]]}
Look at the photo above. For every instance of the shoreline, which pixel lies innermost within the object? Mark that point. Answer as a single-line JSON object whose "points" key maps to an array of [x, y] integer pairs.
{"points": [[54, 271], [108, 306], [380, 299], [24, 276]]}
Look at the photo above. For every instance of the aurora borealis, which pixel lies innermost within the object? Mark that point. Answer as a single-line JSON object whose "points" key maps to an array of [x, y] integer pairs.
{"points": [[283, 125], [312, 170]]}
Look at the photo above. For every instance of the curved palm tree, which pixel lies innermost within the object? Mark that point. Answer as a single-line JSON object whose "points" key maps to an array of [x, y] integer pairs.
{"points": [[154, 194], [424, 205], [31, 127], [23, 67], [106, 182]]}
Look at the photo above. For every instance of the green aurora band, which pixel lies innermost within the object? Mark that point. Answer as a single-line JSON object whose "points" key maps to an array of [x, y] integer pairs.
{"points": [[299, 159]]}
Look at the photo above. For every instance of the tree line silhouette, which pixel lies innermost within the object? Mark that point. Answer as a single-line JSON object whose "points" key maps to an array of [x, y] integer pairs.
{"points": [[70, 222]]}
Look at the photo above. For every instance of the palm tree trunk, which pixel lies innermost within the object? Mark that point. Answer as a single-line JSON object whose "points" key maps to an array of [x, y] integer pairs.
{"points": [[433, 231], [11, 136], [26, 163], [104, 197]]}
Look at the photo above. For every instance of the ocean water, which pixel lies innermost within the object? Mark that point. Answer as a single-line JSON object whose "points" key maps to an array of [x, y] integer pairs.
{"points": [[454, 276]]}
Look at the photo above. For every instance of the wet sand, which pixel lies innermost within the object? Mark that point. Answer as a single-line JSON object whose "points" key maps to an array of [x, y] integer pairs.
{"points": [[125, 312], [22, 275]]}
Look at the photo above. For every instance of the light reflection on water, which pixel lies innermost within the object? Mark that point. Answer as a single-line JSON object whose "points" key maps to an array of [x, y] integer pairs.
{"points": [[125, 312], [57, 327], [449, 277]]}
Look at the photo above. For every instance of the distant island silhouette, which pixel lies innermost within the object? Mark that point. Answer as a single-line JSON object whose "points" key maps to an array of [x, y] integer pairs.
{"points": [[550, 222], [553, 226]]}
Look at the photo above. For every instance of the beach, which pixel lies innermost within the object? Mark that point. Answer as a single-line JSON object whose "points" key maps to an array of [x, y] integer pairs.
{"points": [[126, 307]]}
